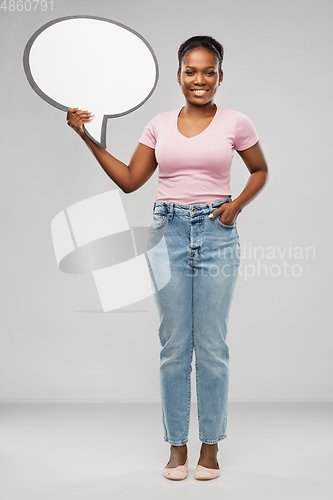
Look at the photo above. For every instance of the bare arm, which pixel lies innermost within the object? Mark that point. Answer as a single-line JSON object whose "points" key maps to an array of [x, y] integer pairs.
{"points": [[255, 162], [128, 177]]}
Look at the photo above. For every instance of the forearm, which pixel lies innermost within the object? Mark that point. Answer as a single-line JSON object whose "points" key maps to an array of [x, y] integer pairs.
{"points": [[115, 169], [254, 185]]}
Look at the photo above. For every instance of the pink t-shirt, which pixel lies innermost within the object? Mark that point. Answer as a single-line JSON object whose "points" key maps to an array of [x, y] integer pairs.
{"points": [[196, 170]]}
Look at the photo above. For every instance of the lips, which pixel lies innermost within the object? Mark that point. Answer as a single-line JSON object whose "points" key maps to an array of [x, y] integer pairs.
{"points": [[199, 92]]}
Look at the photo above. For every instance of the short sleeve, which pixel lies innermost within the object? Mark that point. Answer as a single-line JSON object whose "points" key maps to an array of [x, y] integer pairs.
{"points": [[245, 133], [149, 135]]}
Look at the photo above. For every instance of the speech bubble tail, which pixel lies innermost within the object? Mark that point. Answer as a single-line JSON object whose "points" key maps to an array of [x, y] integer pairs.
{"points": [[96, 129]]}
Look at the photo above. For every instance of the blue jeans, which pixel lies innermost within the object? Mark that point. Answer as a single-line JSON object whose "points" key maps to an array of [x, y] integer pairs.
{"points": [[193, 262]]}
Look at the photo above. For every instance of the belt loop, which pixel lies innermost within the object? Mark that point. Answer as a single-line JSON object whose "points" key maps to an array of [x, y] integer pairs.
{"points": [[154, 206], [210, 207], [171, 211]]}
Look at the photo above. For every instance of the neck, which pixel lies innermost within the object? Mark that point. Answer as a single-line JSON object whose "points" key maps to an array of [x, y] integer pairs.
{"points": [[194, 111]]}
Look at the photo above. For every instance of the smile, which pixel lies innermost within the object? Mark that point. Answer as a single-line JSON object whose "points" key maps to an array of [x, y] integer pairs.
{"points": [[199, 91]]}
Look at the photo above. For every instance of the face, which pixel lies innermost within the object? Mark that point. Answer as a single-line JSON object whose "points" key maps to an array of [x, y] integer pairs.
{"points": [[199, 77]]}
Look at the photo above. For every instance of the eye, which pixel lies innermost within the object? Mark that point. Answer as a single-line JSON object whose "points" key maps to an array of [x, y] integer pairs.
{"points": [[188, 72], [211, 73]]}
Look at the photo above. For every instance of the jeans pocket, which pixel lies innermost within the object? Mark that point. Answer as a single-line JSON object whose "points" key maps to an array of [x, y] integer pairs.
{"points": [[158, 220], [225, 225]]}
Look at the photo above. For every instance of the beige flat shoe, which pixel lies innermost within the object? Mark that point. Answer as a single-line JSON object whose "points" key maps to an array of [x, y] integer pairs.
{"points": [[202, 472], [176, 473]]}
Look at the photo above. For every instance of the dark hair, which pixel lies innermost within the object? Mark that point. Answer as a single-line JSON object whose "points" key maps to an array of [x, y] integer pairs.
{"points": [[207, 42]]}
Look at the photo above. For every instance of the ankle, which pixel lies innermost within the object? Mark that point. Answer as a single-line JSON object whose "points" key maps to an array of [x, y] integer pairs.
{"points": [[178, 451], [209, 448]]}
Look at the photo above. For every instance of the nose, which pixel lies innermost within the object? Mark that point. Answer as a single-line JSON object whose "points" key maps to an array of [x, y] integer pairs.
{"points": [[200, 79]]}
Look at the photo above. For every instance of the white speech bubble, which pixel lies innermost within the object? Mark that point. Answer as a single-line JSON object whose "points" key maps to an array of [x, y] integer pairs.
{"points": [[91, 63]]}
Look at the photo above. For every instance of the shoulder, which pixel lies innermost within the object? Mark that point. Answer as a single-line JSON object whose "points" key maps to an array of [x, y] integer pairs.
{"points": [[240, 127], [238, 120], [160, 124], [163, 119], [231, 114]]}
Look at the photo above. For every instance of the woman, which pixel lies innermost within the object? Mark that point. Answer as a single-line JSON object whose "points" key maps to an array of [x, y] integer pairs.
{"points": [[196, 216]]}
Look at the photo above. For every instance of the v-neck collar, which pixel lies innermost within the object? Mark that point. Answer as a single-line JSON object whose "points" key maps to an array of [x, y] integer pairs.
{"points": [[193, 137]]}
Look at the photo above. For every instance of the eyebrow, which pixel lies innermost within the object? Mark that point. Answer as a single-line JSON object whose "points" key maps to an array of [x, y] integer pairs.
{"points": [[207, 67]]}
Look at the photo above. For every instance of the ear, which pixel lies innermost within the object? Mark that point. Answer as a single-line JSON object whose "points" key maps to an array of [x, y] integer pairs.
{"points": [[178, 77], [221, 77]]}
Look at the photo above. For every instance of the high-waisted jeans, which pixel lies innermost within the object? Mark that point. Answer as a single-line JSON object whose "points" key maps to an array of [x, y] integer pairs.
{"points": [[193, 262]]}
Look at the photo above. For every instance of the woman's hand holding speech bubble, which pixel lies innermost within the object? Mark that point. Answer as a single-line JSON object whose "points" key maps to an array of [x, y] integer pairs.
{"points": [[76, 118]]}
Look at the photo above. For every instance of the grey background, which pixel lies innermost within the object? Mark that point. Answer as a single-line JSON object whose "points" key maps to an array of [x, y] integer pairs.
{"points": [[56, 343]]}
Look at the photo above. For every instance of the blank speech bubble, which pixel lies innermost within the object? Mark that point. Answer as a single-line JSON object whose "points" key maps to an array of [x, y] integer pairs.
{"points": [[91, 63]]}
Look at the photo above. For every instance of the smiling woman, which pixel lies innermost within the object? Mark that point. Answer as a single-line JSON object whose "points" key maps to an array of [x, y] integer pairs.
{"points": [[196, 216]]}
